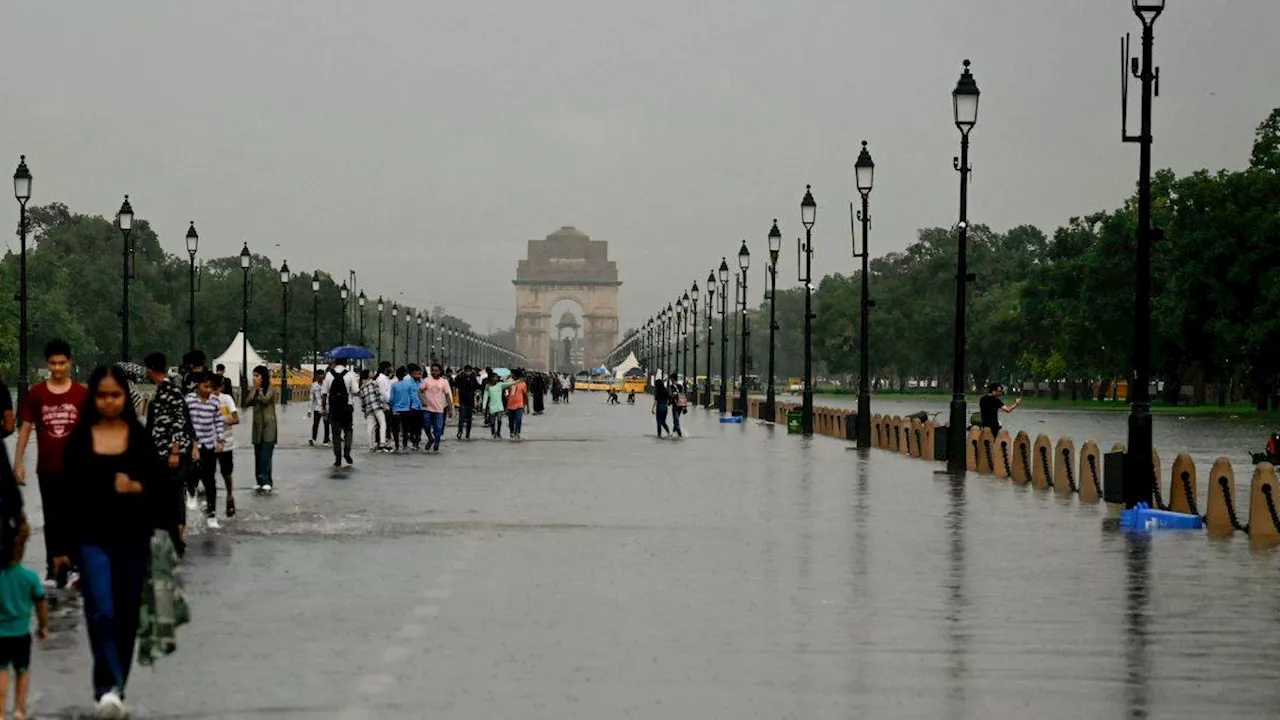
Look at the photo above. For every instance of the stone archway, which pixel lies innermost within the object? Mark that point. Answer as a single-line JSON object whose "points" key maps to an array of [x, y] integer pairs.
{"points": [[567, 265]]}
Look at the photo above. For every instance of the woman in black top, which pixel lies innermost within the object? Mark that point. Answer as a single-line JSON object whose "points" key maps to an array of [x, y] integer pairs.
{"points": [[661, 401], [118, 502]]}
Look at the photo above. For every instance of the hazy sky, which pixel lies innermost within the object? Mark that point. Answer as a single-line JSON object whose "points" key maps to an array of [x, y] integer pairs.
{"points": [[422, 143]]}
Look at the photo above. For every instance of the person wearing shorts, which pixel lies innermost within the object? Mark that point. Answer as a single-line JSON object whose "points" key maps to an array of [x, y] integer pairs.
{"points": [[21, 592]]}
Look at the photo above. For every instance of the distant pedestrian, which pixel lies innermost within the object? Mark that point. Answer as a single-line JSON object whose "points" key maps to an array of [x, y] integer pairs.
{"points": [[373, 406], [338, 393], [991, 405], [21, 594], [206, 418], [406, 408], [468, 387], [661, 403], [317, 407], [119, 501], [227, 458], [678, 402], [437, 404], [265, 431], [172, 434], [221, 383], [385, 377], [493, 405], [52, 410]]}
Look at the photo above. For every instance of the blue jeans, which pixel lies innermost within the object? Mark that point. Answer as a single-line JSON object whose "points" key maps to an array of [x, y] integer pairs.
{"points": [[262, 457], [661, 412], [111, 582], [516, 420], [676, 410], [495, 424], [433, 423]]}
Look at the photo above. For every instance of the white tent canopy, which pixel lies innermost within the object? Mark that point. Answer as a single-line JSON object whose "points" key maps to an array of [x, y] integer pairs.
{"points": [[232, 355], [629, 364]]}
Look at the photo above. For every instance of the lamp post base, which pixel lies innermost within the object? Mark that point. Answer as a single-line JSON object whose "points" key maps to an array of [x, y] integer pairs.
{"points": [[956, 434], [1138, 467], [864, 420]]}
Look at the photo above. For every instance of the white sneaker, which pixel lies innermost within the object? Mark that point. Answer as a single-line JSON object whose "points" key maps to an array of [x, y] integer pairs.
{"points": [[110, 707], [212, 523], [266, 489], [192, 503], [258, 487]]}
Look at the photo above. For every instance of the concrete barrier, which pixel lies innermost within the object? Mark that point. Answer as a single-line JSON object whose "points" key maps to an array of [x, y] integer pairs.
{"points": [[1182, 486], [904, 428], [1090, 475], [1264, 517], [1021, 458], [1042, 463], [917, 440], [926, 446], [971, 438], [895, 433], [1064, 458], [1221, 517], [986, 452], [1003, 455]]}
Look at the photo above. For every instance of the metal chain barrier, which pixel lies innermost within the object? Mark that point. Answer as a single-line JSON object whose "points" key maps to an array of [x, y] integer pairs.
{"points": [[1093, 470], [1185, 477], [975, 450], [1071, 476], [991, 463], [1026, 459], [1044, 460], [1231, 504], [1004, 456], [1155, 493], [1271, 505]]}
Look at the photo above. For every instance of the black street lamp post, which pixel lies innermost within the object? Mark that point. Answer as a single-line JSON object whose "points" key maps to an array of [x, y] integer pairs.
{"points": [[315, 321], [381, 306], [965, 106], [343, 292], [1139, 475], [711, 301], [408, 328], [775, 247], [417, 354], [246, 260], [808, 216], [864, 173], [693, 316], [284, 333], [124, 219], [684, 334], [671, 341], [22, 192], [395, 310], [744, 261], [360, 301], [723, 402], [193, 245]]}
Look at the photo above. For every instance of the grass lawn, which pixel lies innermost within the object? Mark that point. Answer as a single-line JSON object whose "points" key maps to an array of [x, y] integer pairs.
{"points": [[1240, 408]]}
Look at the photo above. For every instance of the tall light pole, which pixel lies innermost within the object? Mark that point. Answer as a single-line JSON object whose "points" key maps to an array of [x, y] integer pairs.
{"points": [[408, 327], [723, 403], [693, 315], [360, 301], [864, 170], [418, 352], [381, 306], [246, 260], [343, 293], [775, 247], [684, 333], [965, 105], [22, 191], [808, 216], [744, 261], [395, 310], [193, 245], [315, 321], [1139, 473], [284, 333], [124, 218], [711, 301]]}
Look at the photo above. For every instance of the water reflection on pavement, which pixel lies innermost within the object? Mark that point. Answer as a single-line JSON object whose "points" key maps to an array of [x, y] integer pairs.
{"points": [[593, 571]]}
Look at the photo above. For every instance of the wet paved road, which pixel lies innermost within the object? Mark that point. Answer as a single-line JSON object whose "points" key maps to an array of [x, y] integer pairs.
{"points": [[595, 572]]}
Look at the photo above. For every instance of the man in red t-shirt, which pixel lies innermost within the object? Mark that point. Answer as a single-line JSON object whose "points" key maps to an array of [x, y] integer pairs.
{"points": [[53, 408]]}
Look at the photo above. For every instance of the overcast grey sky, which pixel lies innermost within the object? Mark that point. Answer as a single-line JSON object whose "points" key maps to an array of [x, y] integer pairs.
{"points": [[421, 142]]}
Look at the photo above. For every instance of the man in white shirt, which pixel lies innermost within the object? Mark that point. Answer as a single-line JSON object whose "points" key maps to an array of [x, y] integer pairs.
{"points": [[383, 378], [226, 458], [338, 394]]}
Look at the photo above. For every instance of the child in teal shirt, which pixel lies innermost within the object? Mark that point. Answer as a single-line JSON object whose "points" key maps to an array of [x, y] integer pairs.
{"points": [[20, 592]]}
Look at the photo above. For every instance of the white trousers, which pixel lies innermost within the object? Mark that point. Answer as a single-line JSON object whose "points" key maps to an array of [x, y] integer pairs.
{"points": [[376, 424]]}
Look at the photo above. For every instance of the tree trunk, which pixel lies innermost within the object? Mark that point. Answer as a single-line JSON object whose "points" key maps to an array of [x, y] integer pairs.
{"points": [[1055, 390]]}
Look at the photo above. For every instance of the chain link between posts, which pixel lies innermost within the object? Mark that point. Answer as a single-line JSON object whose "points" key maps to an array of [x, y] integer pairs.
{"points": [[1004, 456], [1231, 504], [1026, 458], [1071, 476], [1271, 505], [1093, 470], [1155, 492], [1044, 460], [1185, 478], [991, 463]]}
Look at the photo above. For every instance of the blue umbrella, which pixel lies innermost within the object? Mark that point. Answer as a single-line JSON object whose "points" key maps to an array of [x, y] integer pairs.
{"points": [[501, 372], [349, 352]]}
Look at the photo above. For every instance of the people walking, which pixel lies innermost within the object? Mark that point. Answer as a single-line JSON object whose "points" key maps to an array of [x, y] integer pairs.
{"points": [[384, 379], [678, 403], [517, 400], [493, 405], [52, 409], [119, 500], [406, 408], [317, 407], [21, 594], [265, 431], [468, 387], [437, 404], [172, 434], [661, 403], [338, 393], [226, 457], [373, 406], [206, 419]]}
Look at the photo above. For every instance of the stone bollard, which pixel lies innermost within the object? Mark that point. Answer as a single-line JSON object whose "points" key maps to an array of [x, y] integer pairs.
{"points": [[1221, 518], [1182, 486], [895, 433], [917, 439], [930, 432], [1003, 455], [971, 439], [908, 440], [986, 451], [1064, 458], [1090, 473], [1264, 505], [1021, 458], [1042, 463]]}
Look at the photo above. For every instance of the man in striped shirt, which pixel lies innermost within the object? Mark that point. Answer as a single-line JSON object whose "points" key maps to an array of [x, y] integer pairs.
{"points": [[206, 419]]}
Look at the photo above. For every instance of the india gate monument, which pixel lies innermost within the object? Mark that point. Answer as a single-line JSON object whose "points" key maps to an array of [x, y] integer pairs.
{"points": [[567, 265]]}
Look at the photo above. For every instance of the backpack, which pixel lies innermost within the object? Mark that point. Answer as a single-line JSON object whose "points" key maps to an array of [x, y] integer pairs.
{"points": [[339, 396], [682, 400]]}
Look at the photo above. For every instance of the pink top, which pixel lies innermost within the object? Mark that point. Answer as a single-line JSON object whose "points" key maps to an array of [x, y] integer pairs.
{"points": [[436, 394]]}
